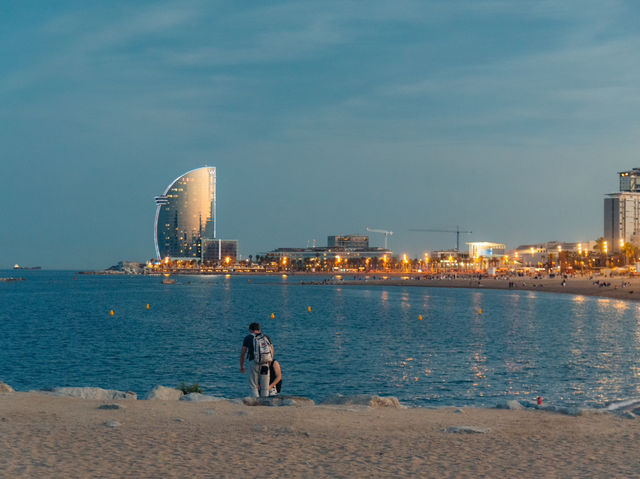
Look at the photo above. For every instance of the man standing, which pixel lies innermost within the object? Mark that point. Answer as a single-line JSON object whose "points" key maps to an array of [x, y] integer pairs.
{"points": [[258, 372]]}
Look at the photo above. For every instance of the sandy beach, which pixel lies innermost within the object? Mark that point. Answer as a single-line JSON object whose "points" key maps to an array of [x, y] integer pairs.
{"points": [[42, 436], [627, 288]]}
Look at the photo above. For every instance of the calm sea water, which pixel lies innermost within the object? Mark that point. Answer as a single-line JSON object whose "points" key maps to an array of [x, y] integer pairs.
{"points": [[55, 330]]}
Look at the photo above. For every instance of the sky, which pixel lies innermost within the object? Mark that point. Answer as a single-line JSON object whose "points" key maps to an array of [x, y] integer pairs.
{"points": [[508, 118]]}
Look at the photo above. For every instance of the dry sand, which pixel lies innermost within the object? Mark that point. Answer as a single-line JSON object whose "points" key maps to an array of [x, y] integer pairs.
{"points": [[42, 436], [578, 286]]}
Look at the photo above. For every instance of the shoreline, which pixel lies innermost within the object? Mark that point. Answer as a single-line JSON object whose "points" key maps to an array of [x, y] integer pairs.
{"points": [[622, 288], [617, 287], [66, 437]]}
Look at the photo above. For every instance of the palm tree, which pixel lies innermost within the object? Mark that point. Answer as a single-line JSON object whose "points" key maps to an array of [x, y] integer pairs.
{"points": [[630, 252]]}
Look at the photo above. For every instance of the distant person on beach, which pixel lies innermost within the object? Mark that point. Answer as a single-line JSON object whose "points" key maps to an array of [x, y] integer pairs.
{"points": [[258, 351], [275, 377]]}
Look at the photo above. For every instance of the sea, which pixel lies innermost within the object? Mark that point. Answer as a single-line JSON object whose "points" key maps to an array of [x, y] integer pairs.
{"points": [[429, 347]]}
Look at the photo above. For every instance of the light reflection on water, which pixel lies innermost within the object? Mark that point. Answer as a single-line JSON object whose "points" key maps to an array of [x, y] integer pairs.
{"points": [[471, 348]]}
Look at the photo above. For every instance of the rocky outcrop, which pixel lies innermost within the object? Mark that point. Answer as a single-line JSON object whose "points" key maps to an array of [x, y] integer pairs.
{"points": [[631, 405], [93, 393], [362, 400], [512, 404], [162, 393], [278, 401], [5, 388]]}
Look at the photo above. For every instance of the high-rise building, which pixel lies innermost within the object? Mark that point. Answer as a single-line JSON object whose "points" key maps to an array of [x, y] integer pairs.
{"points": [[186, 215], [630, 180], [622, 212]]}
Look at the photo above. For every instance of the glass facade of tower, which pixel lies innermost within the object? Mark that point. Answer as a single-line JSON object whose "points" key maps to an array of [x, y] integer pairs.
{"points": [[186, 215]]}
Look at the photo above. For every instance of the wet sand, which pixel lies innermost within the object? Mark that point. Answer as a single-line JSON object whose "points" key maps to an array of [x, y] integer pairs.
{"points": [[42, 436]]}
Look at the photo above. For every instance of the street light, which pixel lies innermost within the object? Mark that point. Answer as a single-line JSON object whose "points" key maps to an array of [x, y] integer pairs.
{"points": [[559, 262]]}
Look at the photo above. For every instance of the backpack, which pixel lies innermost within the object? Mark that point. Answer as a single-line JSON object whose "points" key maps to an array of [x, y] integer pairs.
{"points": [[262, 352]]}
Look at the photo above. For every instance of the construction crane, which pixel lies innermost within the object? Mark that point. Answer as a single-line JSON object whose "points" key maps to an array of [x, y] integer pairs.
{"points": [[457, 231], [384, 232]]}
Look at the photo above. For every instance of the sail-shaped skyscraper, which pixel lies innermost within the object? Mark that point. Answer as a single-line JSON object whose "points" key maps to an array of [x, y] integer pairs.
{"points": [[186, 215]]}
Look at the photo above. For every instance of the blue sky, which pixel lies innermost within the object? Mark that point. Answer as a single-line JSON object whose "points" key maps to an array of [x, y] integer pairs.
{"points": [[508, 118]]}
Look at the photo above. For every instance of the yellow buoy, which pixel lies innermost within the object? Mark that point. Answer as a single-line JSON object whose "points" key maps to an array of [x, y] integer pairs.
{"points": [[479, 310], [419, 317], [148, 307], [111, 313], [273, 316], [309, 308]]}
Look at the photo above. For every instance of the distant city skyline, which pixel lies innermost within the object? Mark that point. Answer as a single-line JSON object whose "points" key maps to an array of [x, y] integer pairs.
{"points": [[509, 119]]}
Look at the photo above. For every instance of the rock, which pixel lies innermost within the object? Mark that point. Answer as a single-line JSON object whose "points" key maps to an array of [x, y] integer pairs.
{"points": [[278, 401], [467, 430], [162, 393], [197, 397], [629, 415], [93, 393], [209, 412], [511, 404], [111, 406], [112, 424], [459, 411], [361, 400], [5, 388], [626, 405]]}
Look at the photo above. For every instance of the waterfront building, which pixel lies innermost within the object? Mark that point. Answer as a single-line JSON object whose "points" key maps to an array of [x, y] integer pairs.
{"points": [[622, 212], [324, 253], [219, 251], [340, 250], [186, 214], [348, 241], [541, 254], [485, 249]]}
